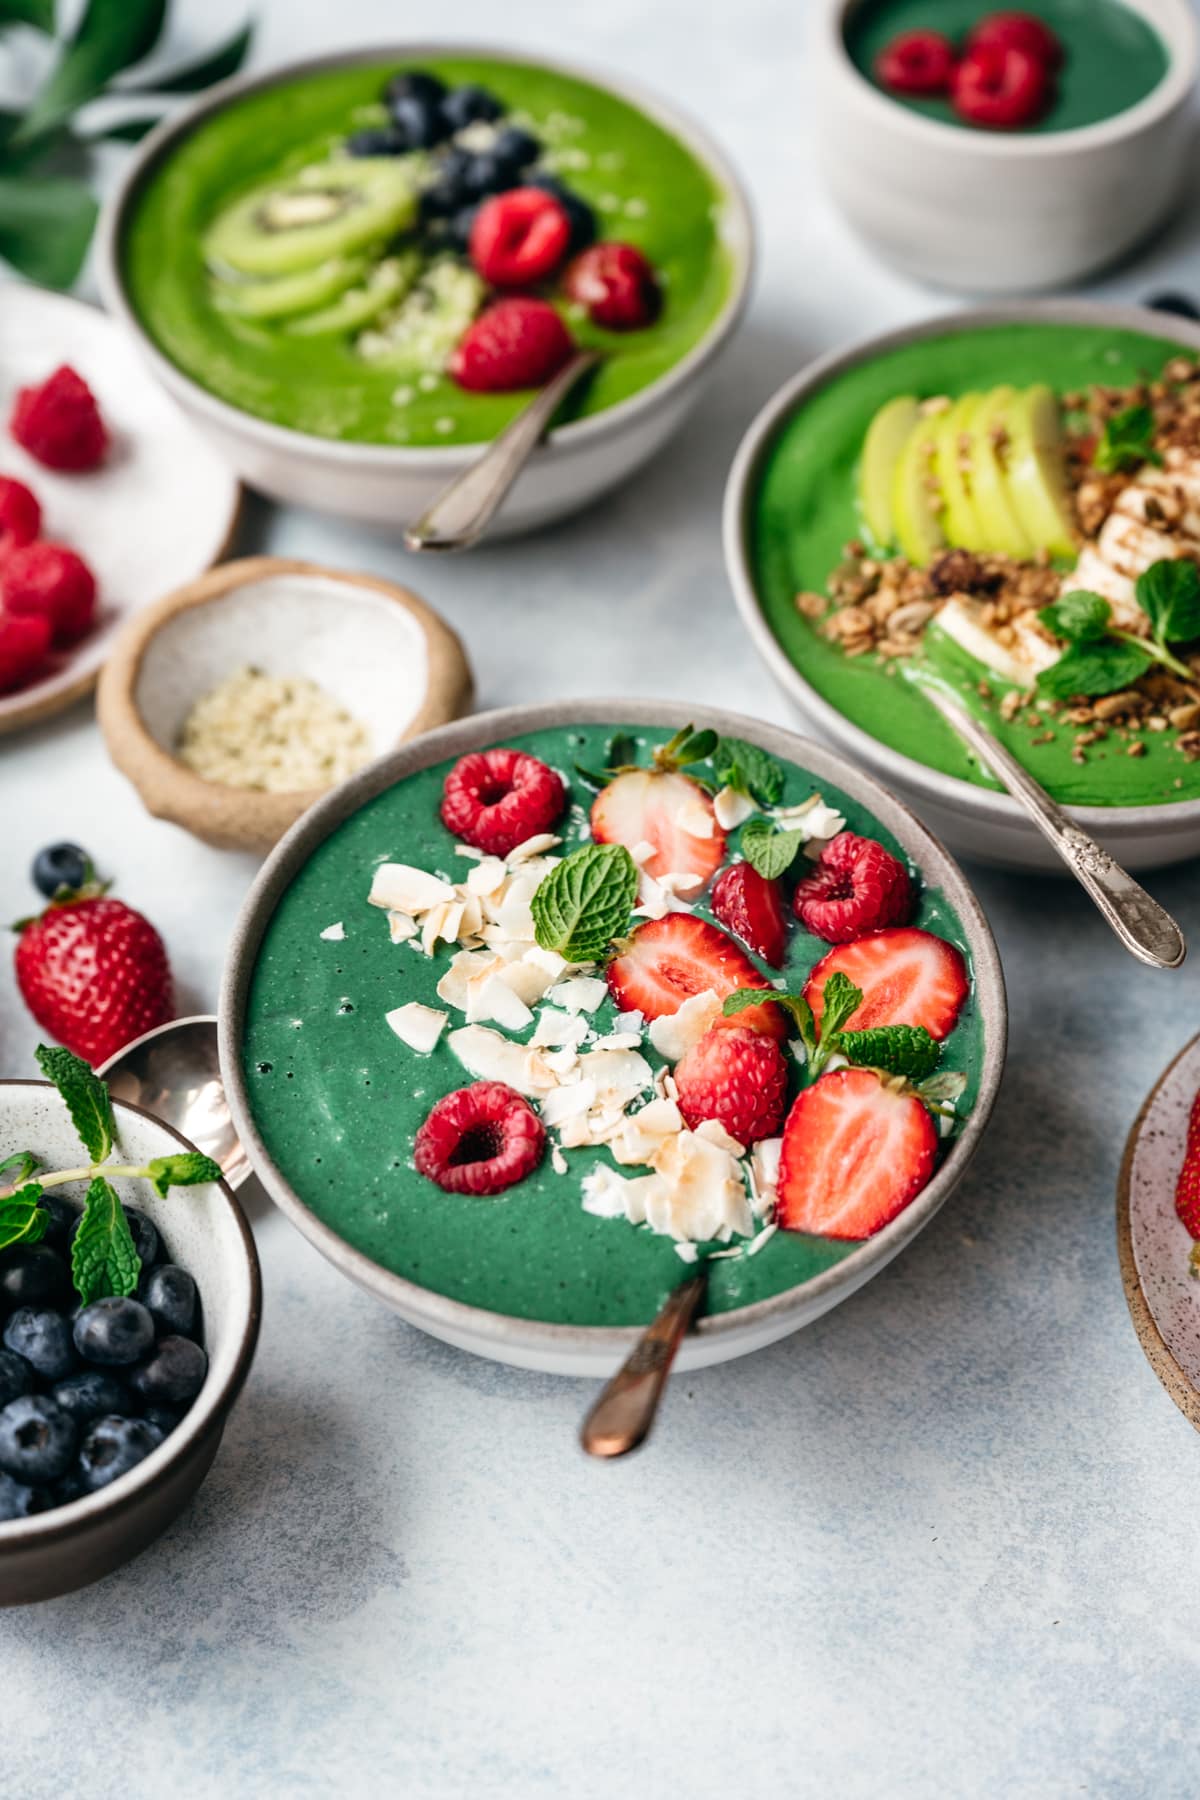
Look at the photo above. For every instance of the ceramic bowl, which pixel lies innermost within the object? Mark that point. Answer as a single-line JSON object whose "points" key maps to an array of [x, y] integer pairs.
{"points": [[374, 647], [597, 1350], [206, 1230], [974, 821], [391, 486], [989, 212]]}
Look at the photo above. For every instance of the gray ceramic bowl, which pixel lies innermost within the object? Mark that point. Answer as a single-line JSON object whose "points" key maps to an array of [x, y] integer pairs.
{"points": [[207, 1232], [974, 821], [596, 1350]]}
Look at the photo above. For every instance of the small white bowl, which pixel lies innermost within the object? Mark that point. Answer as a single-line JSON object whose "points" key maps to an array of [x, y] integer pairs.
{"points": [[390, 486], [986, 212]]}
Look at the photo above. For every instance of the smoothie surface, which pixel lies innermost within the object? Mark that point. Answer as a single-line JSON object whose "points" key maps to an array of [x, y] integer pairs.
{"points": [[338, 1098]]}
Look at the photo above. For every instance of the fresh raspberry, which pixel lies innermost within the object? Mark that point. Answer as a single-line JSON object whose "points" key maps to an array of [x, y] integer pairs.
{"points": [[519, 237], [517, 343], [617, 285], [50, 580], [495, 799], [1187, 1188], [752, 908], [94, 974], [856, 887], [480, 1140], [20, 515], [1019, 31], [24, 641], [1003, 88], [918, 63], [737, 1077], [59, 422]]}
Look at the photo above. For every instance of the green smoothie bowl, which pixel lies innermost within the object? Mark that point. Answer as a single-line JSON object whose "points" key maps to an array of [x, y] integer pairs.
{"points": [[541, 1011], [353, 272], [1006, 504]]}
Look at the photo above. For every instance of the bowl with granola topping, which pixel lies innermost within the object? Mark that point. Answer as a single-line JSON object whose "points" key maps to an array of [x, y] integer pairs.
{"points": [[1004, 503], [536, 1014]]}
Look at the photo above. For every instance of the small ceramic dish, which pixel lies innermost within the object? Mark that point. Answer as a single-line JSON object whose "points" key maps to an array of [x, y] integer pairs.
{"points": [[1155, 1248], [58, 1551], [777, 547], [158, 511], [993, 212], [313, 886], [375, 648]]}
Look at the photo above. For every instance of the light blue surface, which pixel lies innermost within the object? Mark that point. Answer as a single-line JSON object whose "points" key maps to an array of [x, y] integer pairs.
{"points": [[941, 1544]]}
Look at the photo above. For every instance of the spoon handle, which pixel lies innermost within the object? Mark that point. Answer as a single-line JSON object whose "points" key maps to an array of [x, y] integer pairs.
{"points": [[622, 1416], [464, 509], [1138, 920]]}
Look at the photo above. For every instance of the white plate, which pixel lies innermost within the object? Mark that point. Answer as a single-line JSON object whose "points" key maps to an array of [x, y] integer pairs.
{"points": [[156, 513]]}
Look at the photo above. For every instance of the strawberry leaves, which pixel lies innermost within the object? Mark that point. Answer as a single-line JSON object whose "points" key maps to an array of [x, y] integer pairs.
{"points": [[585, 902], [103, 1259]]}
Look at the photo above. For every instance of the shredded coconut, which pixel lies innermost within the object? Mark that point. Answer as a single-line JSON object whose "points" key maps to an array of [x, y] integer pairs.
{"points": [[278, 733]]}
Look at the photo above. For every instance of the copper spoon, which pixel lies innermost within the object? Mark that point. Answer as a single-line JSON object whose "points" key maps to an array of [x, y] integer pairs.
{"points": [[621, 1417]]}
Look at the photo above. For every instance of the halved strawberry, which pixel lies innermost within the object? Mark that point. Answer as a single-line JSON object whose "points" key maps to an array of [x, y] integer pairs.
{"points": [[854, 1154], [668, 960], [908, 977], [1187, 1187], [670, 811], [752, 908]]}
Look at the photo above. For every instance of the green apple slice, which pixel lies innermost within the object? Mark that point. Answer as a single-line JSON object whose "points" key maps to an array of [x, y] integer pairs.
{"points": [[990, 444], [886, 437], [1037, 482], [960, 519], [916, 497]]}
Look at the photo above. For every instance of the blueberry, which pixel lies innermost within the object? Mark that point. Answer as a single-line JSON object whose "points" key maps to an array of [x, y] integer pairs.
{"points": [[376, 140], [30, 1273], [456, 232], [112, 1447], [464, 105], [169, 1295], [91, 1394], [113, 1331], [43, 1337], [16, 1376], [173, 1374], [580, 214], [37, 1439], [163, 1418], [515, 148], [415, 84], [418, 122], [1174, 303], [60, 865], [71, 1487], [18, 1502], [145, 1235], [61, 1217], [485, 174], [448, 192]]}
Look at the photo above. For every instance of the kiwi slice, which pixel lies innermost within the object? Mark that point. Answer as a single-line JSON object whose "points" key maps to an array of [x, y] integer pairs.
{"points": [[288, 294], [328, 210], [416, 338], [385, 285]]}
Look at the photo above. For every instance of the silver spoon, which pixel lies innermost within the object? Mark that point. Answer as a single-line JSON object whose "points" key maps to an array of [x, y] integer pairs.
{"points": [[465, 508], [621, 1418], [1142, 925], [174, 1073]]}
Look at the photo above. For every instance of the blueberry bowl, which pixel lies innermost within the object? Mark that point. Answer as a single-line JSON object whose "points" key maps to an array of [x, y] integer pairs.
{"points": [[203, 1230]]}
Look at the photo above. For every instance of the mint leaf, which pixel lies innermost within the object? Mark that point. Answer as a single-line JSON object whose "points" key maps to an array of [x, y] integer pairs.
{"points": [[795, 1004], [1126, 441], [15, 1170], [22, 1220], [896, 1049], [103, 1259], [1168, 592], [750, 770], [1103, 667], [840, 1001], [188, 1169], [769, 851], [585, 902], [86, 1098], [1079, 617]]}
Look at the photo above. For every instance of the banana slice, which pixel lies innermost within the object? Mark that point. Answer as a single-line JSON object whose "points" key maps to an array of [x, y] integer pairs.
{"points": [[961, 621]]}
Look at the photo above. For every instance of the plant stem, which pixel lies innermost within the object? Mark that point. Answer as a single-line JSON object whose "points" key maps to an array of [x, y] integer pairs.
{"points": [[1157, 652], [87, 1174]]}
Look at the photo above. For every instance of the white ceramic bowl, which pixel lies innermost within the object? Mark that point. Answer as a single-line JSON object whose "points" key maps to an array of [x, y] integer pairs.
{"points": [[597, 1350], [988, 212], [207, 1233], [974, 821], [390, 486]]}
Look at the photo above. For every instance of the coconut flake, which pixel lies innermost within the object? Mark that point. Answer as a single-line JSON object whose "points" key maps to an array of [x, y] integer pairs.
{"points": [[399, 887], [579, 993], [674, 1034], [732, 808], [418, 1026], [333, 934]]}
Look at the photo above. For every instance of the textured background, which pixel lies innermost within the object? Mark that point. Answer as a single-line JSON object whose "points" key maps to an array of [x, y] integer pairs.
{"points": [[942, 1543]]}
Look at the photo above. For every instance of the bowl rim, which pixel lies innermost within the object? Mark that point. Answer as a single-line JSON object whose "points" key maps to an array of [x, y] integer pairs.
{"points": [[739, 237], [1179, 31], [949, 791], [212, 1405], [438, 1312]]}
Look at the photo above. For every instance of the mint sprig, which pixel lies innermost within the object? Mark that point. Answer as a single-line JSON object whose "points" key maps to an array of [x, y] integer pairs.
{"points": [[1100, 659], [22, 1219], [86, 1098], [769, 851], [907, 1051], [585, 902], [1126, 441], [188, 1169], [103, 1258], [749, 770]]}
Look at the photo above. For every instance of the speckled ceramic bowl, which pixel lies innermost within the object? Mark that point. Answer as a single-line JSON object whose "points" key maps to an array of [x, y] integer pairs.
{"points": [[206, 1230], [596, 1350]]}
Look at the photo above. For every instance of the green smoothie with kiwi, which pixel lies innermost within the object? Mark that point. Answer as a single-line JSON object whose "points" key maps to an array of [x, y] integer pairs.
{"points": [[392, 255]]}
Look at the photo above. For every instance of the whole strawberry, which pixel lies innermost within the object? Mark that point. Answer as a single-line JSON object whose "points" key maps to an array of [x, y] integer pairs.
{"points": [[93, 972]]}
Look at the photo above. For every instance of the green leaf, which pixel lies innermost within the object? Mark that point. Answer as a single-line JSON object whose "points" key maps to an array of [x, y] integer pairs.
{"points": [[128, 131], [1103, 667], [188, 1169], [1168, 592], [750, 770], [103, 1259], [16, 1169], [86, 1098], [111, 35], [1126, 441], [621, 752], [585, 902], [840, 1001], [769, 851], [189, 78], [46, 226], [944, 1088], [38, 13], [687, 746], [1079, 617], [22, 1220], [895, 1049], [795, 1004]]}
